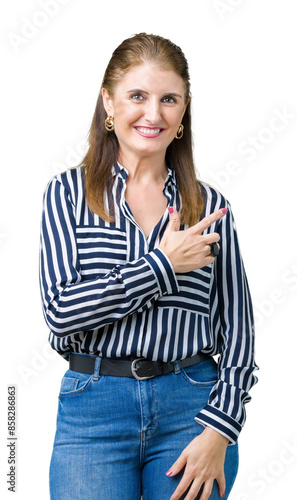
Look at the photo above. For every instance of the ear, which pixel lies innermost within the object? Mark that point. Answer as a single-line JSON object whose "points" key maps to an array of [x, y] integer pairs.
{"points": [[107, 102]]}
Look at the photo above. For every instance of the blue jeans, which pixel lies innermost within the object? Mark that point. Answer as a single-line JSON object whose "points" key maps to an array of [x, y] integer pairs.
{"points": [[116, 437]]}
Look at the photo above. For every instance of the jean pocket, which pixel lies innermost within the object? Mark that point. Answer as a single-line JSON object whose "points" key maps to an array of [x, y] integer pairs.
{"points": [[74, 383], [203, 374]]}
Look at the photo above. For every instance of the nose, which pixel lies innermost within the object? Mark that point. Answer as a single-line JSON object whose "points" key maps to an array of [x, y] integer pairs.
{"points": [[153, 112]]}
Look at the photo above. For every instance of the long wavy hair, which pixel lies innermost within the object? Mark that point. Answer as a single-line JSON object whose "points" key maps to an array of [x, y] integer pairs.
{"points": [[103, 148]]}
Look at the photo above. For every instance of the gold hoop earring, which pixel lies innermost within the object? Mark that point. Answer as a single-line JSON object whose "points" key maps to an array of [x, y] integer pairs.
{"points": [[109, 125], [180, 132]]}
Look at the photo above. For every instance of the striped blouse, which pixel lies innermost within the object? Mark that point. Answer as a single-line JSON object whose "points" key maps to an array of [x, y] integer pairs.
{"points": [[108, 290]]}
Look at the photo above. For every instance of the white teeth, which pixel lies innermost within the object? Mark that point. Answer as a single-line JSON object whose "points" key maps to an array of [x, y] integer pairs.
{"points": [[147, 131]]}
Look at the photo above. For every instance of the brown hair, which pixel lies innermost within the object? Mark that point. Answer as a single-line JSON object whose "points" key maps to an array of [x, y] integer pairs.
{"points": [[103, 145]]}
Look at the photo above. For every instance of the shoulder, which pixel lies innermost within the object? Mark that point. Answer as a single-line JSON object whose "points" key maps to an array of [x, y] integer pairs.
{"points": [[213, 199], [71, 182]]}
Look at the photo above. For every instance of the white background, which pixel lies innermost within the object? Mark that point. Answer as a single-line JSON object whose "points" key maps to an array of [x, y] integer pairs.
{"points": [[242, 57]]}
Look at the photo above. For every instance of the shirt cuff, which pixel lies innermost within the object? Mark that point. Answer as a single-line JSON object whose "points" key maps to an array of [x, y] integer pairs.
{"points": [[219, 421], [164, 272]]}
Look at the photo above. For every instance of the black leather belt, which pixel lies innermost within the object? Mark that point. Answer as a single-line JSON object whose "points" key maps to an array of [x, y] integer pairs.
{"points": [[140, 368]]}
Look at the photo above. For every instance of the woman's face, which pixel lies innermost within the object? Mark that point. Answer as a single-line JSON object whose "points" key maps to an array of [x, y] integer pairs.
{"points": [[148, 105]]}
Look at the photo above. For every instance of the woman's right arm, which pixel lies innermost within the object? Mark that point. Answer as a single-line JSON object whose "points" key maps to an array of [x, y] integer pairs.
{"points": [[71, 304]]}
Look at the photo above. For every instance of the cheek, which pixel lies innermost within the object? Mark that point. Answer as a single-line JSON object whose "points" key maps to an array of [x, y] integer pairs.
{"points": [[125, 114], [178, 118]]}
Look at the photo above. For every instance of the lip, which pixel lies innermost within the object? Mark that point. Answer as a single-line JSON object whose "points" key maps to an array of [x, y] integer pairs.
{"points": [[149, 132]]}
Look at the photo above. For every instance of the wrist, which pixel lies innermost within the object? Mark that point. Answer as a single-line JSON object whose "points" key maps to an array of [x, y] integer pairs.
{"points": [[215, 435]]}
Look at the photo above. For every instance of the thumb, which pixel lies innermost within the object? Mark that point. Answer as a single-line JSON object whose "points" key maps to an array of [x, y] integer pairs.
{"points": [[173, 219]]}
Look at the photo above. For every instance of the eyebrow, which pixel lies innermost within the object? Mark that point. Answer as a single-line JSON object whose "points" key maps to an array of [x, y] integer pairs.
{"points": [[144, 92]]}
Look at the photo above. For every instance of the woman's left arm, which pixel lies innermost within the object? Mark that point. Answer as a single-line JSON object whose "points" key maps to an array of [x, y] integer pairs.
{"points": [[231, 316], [232, 324]]}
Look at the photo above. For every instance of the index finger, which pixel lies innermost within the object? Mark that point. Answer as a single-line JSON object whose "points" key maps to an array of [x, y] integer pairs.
{"points": [[209, 220]]}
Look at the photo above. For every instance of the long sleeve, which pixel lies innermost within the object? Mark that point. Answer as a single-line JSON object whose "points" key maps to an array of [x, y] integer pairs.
{"points": [[233, 325], [72, 304]]}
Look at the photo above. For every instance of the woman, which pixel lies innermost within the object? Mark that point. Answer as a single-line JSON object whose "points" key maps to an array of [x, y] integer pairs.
{"points": [[139, 296]]}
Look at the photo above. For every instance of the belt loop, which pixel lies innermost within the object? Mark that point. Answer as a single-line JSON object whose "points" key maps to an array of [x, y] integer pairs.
{"points": [[97, 368], [176, 367]]}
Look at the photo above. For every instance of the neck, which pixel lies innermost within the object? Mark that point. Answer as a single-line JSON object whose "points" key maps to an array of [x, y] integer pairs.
{"points": [[144, 170]]}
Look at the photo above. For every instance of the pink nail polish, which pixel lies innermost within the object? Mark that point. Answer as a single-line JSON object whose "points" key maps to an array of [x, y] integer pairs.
{"points": [[224, 210], [170, 210], [169, 472]]}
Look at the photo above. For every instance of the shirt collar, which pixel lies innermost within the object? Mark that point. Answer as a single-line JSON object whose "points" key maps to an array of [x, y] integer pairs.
{"points": [[171, 178], [118, 169]]}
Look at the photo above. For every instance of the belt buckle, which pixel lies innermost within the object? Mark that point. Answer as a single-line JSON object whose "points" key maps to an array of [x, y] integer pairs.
{"points": [[134, 370]]}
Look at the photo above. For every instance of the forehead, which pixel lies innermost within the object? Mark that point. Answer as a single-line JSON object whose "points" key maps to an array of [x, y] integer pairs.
{"points": [[150, 77]]}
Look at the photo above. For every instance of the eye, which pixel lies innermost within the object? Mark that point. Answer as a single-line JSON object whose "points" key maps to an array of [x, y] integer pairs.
{"points": [[169, 99], [137, 97]]}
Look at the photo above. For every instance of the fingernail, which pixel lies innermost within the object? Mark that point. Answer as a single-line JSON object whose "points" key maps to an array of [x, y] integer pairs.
{"points": [[169, 472], [170, 210], [224, 210]]}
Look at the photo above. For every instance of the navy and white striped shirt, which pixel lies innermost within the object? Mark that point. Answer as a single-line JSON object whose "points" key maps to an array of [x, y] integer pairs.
{"points": [[109, 291]]}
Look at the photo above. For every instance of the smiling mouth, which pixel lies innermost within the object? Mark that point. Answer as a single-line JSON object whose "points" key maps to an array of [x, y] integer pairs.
{"points": [[149, 131]]}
